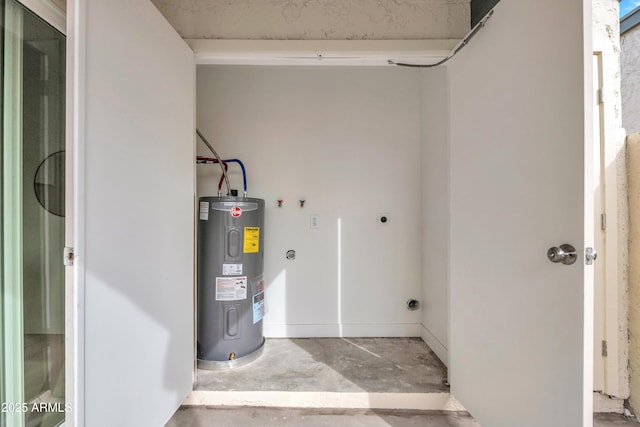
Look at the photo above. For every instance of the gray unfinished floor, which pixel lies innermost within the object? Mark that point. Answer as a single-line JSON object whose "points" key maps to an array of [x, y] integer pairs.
{"points": [[263, 417], [375, 365], [391, 365]]}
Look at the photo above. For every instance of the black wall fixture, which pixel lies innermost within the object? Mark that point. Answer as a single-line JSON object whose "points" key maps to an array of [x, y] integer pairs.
{"points": [[479, 8], [49, 183]]}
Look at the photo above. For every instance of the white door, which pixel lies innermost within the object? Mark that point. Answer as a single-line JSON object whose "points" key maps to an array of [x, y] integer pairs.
{"points": [[520, 134], [135, 187]]}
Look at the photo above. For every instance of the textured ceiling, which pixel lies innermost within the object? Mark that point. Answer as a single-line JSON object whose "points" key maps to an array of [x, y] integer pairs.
{"points": [[318, 19]]}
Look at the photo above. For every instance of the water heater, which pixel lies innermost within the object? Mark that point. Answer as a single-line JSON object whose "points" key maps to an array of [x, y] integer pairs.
{"points": [[230, 281]]}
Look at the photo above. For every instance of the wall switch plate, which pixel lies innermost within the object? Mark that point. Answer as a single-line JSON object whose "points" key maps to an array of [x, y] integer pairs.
{"points": [[314, 221]]}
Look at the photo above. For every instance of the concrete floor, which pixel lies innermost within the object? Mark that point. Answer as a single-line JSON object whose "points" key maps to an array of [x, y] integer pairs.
{"points": [[374, 365], [613, 420], [391, 365], [263, 417]]}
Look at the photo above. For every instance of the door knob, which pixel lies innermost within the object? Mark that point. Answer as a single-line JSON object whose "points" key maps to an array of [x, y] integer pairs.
{"points": [[565, 254]]}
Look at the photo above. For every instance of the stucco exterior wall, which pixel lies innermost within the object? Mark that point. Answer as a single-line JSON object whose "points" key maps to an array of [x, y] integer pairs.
{"points": [[633, 149], [630, 65], [317, 19]]}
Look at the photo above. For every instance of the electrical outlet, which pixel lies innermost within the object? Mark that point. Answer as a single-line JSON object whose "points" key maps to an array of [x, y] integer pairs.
{"points": [[314, 221]]}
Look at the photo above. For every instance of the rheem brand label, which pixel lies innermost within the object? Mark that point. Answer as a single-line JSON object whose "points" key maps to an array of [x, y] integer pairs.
{"points": [[236, 211]]}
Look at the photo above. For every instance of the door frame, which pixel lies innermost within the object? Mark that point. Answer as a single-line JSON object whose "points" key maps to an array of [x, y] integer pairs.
{"points": [[12, 222], [74, 227], [48, 11], [612, 224], [51, 13]]}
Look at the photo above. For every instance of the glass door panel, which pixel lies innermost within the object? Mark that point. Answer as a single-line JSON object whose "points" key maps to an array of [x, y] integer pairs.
{"points": [[33, 176]]}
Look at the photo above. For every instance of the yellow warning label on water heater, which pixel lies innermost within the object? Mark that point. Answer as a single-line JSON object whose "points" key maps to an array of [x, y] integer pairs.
{"points": [[251, 240]]}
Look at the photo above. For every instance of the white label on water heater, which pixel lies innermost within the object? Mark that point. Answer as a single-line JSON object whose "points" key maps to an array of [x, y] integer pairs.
{"points": [[231, 269], [231, 288], [204, 211], [258, 307]]}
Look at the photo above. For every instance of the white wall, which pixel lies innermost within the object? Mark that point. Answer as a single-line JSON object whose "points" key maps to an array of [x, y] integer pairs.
{"points": [[435, 211], [317, 19], [348, 141], [630, 64]]}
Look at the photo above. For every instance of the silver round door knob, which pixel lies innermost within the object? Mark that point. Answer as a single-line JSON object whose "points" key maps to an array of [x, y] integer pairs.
{"points": [[565, 254]]}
